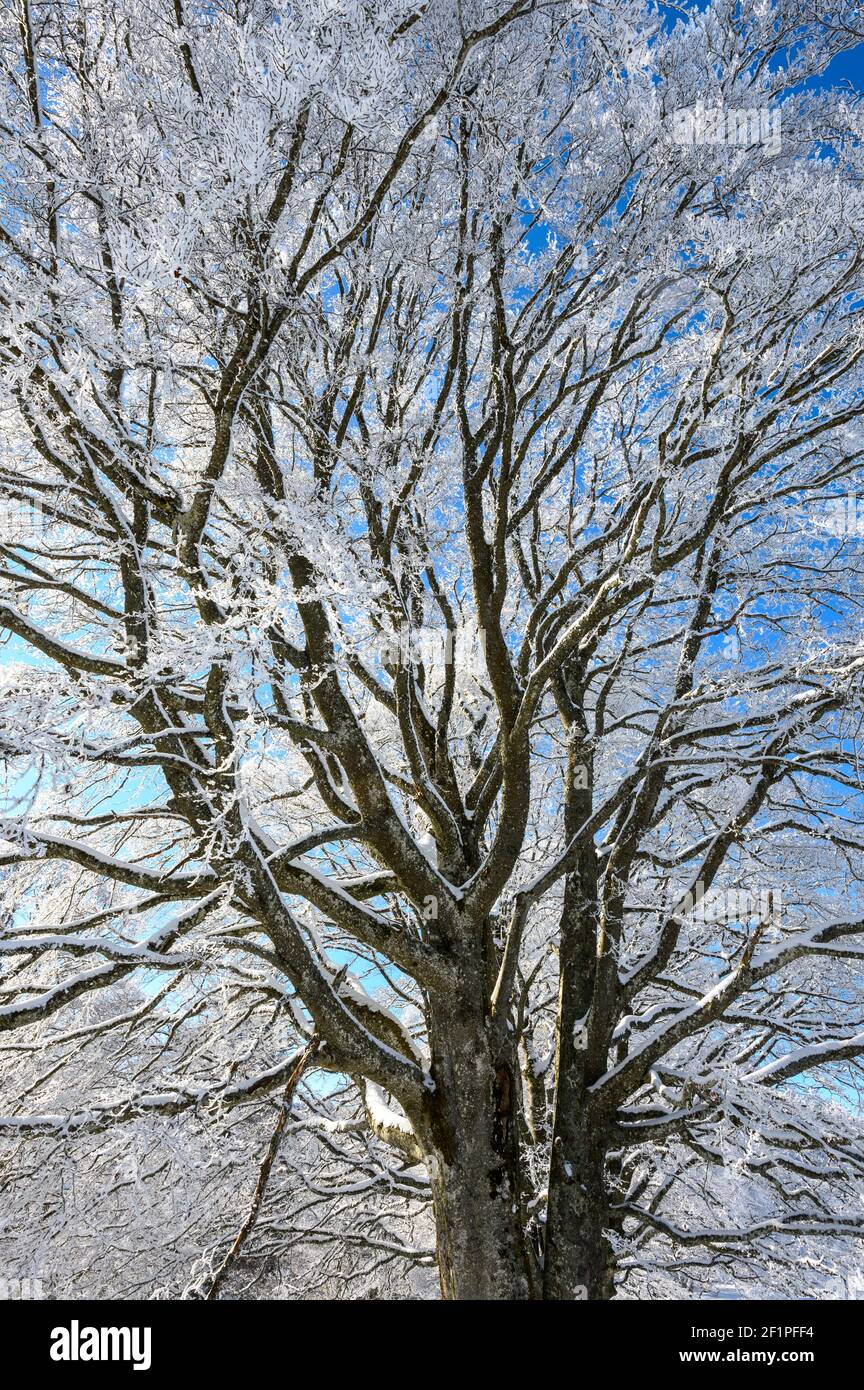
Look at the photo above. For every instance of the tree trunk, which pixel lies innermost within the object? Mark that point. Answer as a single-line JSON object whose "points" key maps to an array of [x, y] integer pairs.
{"points": [[578, 1261], [483, 1249], [470, 1135]]}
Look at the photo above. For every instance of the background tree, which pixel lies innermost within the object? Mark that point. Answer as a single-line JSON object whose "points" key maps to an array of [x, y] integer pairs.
{"points": [[433, 602]]}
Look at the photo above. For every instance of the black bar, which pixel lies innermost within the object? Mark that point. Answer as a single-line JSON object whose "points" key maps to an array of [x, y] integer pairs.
{"points": [[768, 1337]]}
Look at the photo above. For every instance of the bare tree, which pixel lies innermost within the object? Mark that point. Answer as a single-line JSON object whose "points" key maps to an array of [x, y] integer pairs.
{"points": [[432, 578]]}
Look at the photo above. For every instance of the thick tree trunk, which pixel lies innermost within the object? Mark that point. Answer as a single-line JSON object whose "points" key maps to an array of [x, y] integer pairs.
{"points": [[578, 1261], [470, 1135], [483, 1249]]}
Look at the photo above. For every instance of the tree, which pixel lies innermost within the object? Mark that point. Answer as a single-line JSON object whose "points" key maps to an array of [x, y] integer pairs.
{"points": [[432, 589]]}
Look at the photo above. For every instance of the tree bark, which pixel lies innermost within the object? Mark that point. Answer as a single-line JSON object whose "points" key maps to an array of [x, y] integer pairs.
{"points": [[578, 1259], [579, 1262], [471, 1139], [484, 1250]]}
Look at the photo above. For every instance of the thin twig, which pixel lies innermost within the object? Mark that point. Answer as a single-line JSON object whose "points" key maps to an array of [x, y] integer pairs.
{"points": [[264, 1172]]}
